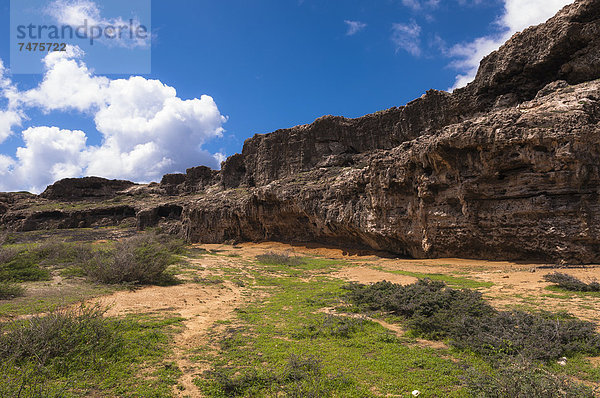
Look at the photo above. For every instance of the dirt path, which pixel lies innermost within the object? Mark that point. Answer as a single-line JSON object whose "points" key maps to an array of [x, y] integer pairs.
{"points": [[200, 305]]}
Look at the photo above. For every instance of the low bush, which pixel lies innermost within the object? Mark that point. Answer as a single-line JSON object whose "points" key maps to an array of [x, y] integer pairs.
{"points": [[542, 336], [141, 259], [301, 377], [331, 326], [57, 252], [8, 254], [523, 379], [272, 258], [10, 291], [433, 310], [61, 338], [430, 307], [26, 262], [21, 266], [569, 282], [80, 352]]}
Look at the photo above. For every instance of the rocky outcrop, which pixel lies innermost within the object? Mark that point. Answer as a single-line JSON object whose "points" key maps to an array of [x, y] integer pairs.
{"points": [[194, 180], [567, 47], [519, 183], [85, 188], [506, 168]]}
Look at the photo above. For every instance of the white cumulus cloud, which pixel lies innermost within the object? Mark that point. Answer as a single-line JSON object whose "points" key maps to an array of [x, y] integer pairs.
{"points": [[10, 114], [517, 16], [48, 154], [147, 130], [76, 13]]}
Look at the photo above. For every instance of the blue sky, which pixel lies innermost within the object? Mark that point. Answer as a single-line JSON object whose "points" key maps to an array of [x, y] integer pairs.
{"points": [[222, 71]]}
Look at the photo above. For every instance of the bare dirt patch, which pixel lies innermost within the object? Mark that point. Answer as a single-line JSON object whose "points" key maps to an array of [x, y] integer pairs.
{"points": [[199, 305], [369, 275]]}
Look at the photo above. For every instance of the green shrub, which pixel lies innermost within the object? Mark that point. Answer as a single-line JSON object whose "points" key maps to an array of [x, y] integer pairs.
{"points": [[569, 282], [22, 266], [542, 336], [10, 291], [331, 326], [430, 307], [61, 338], [25, 264], [302, 376], [79, 352], [523, 380], [433, 310], [141, 259], [272, 258], [7, 254], [57, 252]]}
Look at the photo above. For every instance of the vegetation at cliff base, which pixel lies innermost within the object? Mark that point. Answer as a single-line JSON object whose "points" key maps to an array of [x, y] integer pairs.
{"points": [[72, 352]]}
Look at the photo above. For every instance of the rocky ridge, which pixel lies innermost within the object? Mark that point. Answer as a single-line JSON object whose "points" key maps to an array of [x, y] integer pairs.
{"points": [[505, 168]]}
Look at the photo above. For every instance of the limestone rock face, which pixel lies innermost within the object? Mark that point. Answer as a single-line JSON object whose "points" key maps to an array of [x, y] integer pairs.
{"points": [[505, 168], [567, 47], [194, 180], [85, 188], [519, 183]]}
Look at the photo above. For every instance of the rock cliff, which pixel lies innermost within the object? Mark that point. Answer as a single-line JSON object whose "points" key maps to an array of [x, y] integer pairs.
{"points": [[505, 168]]}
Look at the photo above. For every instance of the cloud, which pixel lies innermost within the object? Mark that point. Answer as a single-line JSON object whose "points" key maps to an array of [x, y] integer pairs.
{"points": [[354, 27], [407, 37], [10, 116], [49, 154], [517, 15], [67, 85], [75, 13], [418, 5], [147, 129]]}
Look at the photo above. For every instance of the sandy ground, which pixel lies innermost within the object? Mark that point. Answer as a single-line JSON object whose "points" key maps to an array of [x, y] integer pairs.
{"points": [[201, 305]]}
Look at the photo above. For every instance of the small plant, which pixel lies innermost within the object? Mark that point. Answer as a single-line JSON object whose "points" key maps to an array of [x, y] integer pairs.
{"points": [[7, 254], [69, 352], [272, 258], [26, 381], [141, 259], [208, 281], [331, 326], [302, 376], [28, 263], [10, 291], [59, 252], [523, 380], [69, 335], [569, 282], [21, 266]]}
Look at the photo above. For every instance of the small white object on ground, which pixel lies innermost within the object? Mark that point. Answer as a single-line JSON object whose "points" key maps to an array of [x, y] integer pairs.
{"points": [[562, 361], [416, 393]]}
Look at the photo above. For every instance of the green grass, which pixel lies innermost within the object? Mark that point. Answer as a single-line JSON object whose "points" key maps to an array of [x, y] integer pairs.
{"points": [[102, 356], [47, 298], [23, 267], [9, 291], [357, 358], [300, 266], [571, 293], [454, 281]]}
